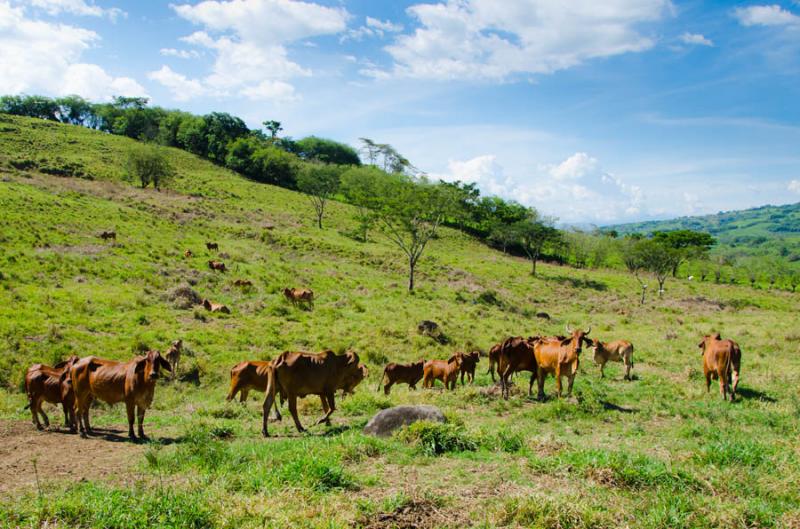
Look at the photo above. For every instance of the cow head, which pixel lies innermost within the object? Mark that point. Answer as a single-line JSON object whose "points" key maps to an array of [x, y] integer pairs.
{"points": [[150, 365], [177, 345], [578, 337], [206, 304], [706, 339]]}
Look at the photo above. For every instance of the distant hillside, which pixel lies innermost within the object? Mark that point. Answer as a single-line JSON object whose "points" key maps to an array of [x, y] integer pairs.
{"points": [[767, 230]]}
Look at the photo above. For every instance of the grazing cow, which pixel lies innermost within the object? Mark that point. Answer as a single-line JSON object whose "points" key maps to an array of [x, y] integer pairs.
{"points": [[187, 254], [444, 370], [299, 295], [516, 354], [215, 307], [618, 351], [395, 373], [51, 384], [721, 360], [469, 362], [173, 355], [212, 246], [133, 382], [106, 235], [560, 357], [297, 374], [251, 374], [217, 265], [244, 283]]}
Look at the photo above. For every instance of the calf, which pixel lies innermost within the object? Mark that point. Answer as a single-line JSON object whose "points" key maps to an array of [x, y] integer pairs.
{"points": [[212, 246], [618, 351], [51, 384], [560, 358], [187, 254], [516, 354], [721, 360], [215, 307], [173, 355], [395, 373], [217, 265], [494, 358], [444, 370], [469, 362], [299, 295], [133, 382]]}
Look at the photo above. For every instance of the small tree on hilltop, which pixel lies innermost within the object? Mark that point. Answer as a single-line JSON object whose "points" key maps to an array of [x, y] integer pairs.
{"points": [[149, 165], [320, 182], [687, 244], [533, 234], [360, 186]]}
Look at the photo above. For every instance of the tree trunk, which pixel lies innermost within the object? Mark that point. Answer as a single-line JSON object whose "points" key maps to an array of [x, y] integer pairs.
{"points": [[319, 220], [411, 265], [644, 291]]}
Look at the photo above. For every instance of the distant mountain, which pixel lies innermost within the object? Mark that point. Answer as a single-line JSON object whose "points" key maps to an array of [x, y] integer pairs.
{"points": [[767, 230]]}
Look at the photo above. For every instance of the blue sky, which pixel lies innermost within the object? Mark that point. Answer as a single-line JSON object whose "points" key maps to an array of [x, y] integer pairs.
{"points": [[593, 112]]}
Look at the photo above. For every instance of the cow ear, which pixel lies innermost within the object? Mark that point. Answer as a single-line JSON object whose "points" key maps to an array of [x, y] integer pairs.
{"points": [[164, 363], [566, 341], [140, 364]]}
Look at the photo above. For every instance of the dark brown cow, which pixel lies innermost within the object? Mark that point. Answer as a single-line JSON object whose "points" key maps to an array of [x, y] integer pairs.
{"points": [[54, 385], [217, 265], [133, 382], [297, 374], [299, 295], [560, 357], [212, 246], [215, 307], [469, 361], [106, 235], [721, 360], [173, 355], [395, 373], [617, 351], [516, 354], [244, 283], [444, 370]]}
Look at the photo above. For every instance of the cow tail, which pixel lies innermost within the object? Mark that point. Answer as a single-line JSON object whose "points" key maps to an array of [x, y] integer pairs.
{"points": [[380, 380]]}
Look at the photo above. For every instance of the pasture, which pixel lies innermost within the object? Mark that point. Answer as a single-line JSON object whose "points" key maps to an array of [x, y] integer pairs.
{"points": [[653, 452]]}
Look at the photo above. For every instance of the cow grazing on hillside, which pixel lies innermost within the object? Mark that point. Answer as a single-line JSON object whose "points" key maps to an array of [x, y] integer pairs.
{"points": [[173, 355], [106, 235], [560, 358], [617, 351], [188, 254], [444, 370], [217, 265], [469, 361], [297, 374], [51, 384], [132, 382], [721, 360], [516, 354], [212, 246], [215, 307], [299, 295], [395, 373]]}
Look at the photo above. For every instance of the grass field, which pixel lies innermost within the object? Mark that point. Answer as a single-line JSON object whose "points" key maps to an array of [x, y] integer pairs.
{"points": [[654, 452]]}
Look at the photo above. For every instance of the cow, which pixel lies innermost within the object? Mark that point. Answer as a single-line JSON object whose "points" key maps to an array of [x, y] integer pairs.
{"points": [[132, 382], [110, 234], [618, 351], [215, 307], [173, 355], [721, 360], [469, 362], [243, 283], [516, 354], [212, 246], [299, 295], [188, 254], [51, 384], [352, 380], [395, 373], [444, 370], [217, 265], [560, 357], [297, 374], [494, 358]]}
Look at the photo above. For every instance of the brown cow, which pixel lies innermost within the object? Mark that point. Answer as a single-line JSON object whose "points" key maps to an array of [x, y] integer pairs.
{"points": [[469, 362], [299, 295], [617, 351], [212, 246], [187, 254], [516, 354], [721, 359], [51, 384], [560, 357], [106, 235], [244, 283], [215, 307], [217, 265], [444, 370], [494, 358], [173, 355], [133, 382], [352, 380], [395, 373], [297, 374]]}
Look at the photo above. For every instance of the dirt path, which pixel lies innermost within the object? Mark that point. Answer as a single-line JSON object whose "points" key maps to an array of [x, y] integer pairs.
{"points": [[62, 456]]}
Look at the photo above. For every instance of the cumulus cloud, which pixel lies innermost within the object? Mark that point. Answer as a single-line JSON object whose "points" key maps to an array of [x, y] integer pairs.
{"points": [[181, 87], [38, 56], [76, 7], [794, 186], [766, 15], [695, 39], [474, 39], [248, 38], [181, 54], [372, 27]]}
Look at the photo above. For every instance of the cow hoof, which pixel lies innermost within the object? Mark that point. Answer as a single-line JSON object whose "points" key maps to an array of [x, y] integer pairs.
{"points": [[264, 433], [39, 427]]}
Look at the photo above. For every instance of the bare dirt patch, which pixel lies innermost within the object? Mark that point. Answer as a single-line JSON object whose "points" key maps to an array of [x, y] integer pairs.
{"points": [[61, 456], [413, 514]]}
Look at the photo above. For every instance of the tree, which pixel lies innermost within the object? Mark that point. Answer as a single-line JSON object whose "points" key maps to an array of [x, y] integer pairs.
{"points": [[721, 261], [503, 235], [275, 166], [319, 182], [274, 127], [327, 151], [221, 129], [633, 258], [149, 165], [792, 278], [533, 234], [75, 110], [688, 244], [660, 259], [360, 186]]}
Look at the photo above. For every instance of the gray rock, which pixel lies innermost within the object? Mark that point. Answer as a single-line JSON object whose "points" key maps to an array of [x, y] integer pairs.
{"points": [[387, 421]]}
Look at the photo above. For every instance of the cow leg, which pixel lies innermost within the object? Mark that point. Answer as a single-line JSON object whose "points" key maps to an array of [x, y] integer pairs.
{"points": [[462, 378], [140, 411], [570, 379], [243, 395], [540, 374], [723, 385], [73, 421], [130, 407], [491, 370], [388, 387], [602, 370], [708, 381], [329, 408], [530, 386], [293, 411], [628, 368], [735, 379], [558, 381], [34, 404], [43, 414], [66, 414]]}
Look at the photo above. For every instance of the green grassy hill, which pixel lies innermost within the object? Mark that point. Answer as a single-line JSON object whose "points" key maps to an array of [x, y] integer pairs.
{"points": [[654, 452]]}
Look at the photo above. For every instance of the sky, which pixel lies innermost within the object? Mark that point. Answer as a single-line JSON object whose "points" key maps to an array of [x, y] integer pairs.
{"points": [[592, 112]]}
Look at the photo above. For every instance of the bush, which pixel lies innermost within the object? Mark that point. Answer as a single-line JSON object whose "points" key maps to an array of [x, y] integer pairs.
{"points": [[433, 439], [149, 165]]}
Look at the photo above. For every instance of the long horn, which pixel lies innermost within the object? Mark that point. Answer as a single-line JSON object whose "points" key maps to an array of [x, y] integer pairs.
{"points": [[587, 331], [567, 329]]}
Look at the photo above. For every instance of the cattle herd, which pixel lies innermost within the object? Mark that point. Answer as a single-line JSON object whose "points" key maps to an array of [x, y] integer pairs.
{"points": [[76, 382]]}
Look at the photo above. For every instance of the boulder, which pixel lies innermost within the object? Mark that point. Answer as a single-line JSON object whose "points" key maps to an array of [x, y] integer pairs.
{"points": [[385, 422]]}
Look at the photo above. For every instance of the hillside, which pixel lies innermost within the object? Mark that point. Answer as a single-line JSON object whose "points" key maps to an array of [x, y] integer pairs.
{"points": [[655, 452], [767, 230]]}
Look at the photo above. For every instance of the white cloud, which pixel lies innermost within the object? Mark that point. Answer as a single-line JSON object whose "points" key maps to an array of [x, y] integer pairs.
{"points": [[76, 7], [42, 57], [181, 87], [387, 26], [794, 186], [249, 38], [474, 39], [181, 54], [766, 15], [373, 27], [695, 38]]}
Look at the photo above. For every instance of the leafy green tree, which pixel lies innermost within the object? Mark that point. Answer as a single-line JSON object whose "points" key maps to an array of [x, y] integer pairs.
{"points": [[75, 110], [191, 135], [327, 151], [319, 182], [533, 234], [688, 244], [274, 127], [149, 165], [221, 128], [633, 257], [360, 186], [30, 106], [503, 235], [276, 166]]}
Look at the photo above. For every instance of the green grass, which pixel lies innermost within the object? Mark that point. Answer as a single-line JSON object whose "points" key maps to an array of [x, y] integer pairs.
{"points": [[654, 452]]}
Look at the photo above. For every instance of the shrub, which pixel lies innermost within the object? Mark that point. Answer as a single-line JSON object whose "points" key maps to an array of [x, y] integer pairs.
{"points": [[433, 439], [149, 165]]}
